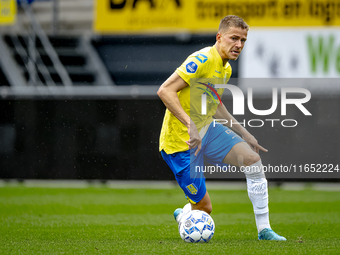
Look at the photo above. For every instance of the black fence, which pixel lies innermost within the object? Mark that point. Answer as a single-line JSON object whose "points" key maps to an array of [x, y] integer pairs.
{"points": [[149, 60], [118, 139], [113, 139]]}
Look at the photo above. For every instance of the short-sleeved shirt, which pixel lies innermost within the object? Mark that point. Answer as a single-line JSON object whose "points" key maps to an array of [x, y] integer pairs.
{"points": [[198, 71]]}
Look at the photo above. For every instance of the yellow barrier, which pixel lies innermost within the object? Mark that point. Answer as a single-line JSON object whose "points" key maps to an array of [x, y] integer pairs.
{"points": [[204, 15], [8, 10]]}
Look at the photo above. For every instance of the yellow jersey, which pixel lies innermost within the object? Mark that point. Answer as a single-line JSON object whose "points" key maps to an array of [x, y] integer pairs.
{"points": [[201, 70]]}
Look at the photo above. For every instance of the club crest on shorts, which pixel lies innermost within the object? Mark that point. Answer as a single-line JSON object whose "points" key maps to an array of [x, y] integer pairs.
{"points": [[192, 189]]}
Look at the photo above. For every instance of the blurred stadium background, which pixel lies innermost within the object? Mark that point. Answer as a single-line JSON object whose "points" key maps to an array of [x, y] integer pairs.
{"points": [[78, 81]]}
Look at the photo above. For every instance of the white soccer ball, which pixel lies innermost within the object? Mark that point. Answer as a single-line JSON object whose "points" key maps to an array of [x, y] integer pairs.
{"points": [[196, 226]]}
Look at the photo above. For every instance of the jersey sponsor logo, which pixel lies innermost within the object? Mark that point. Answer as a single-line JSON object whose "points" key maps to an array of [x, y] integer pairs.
{"points": [[191, 67], [201, 58], [217, 72], [192, 189], [211, 91]]}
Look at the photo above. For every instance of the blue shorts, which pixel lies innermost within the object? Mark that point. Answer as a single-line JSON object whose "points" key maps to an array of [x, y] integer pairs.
{"points": [[216, 144]]}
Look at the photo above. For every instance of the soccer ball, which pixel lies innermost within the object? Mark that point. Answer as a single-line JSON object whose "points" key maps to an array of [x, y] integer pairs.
{"points": [[196, 226]]}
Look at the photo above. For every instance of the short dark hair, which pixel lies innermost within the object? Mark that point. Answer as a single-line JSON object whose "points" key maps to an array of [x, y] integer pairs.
{"points": [[232, 21]]}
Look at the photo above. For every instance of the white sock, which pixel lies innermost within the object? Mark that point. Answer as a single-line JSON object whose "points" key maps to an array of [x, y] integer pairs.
{"points": [[187, 208], [258, 194], [262, 221]]}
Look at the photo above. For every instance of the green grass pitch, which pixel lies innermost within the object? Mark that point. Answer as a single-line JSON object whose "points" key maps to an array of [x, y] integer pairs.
{"points": [[139, 221]]}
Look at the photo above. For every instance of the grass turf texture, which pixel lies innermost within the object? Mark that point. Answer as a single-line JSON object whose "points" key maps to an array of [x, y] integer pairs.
{"points": [[140, 221]]}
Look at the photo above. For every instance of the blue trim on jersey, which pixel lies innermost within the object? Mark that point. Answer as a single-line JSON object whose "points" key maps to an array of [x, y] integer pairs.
{"points": [[201, 58]]}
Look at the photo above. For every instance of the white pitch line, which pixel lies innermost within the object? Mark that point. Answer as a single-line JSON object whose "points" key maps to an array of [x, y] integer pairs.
{"points": [[135, 184]]}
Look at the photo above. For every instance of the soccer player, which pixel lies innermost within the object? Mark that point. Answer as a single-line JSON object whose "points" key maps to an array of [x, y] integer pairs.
{"points": [[208, 142]]}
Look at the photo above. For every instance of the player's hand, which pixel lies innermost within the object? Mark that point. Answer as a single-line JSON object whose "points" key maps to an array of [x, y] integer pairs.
{"points": [[195, 139], [252, 142]]}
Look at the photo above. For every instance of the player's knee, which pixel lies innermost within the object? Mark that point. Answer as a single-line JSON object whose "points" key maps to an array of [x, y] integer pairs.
{"points": [[251, 159]]}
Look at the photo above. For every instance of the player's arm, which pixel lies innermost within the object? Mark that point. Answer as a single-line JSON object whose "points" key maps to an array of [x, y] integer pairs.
{"points": [[223, 113], [168, 93]]}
